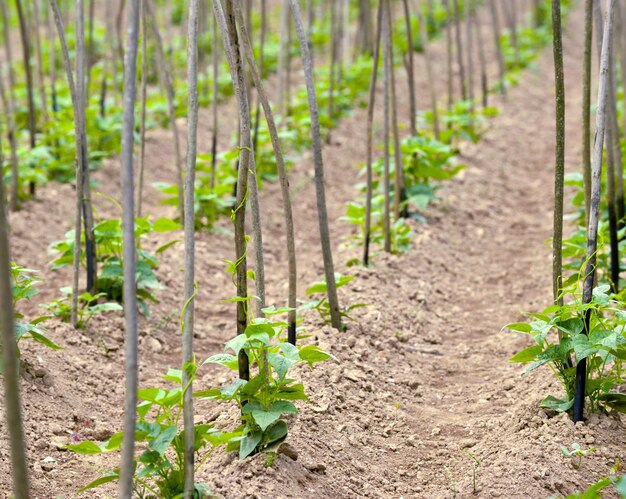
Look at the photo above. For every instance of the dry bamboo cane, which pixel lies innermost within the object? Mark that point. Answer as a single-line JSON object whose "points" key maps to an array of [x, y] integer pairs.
{"points": [[586, 160], [329, 271], [79, 160], [171, 106], [594, 213], [449, 49], [88, 221], [32, 113], [559, 172], [10, 361], [239, 212], [36, 29], [399, 198], [10, 107], [144, 98], [410, 68], [370, 120], [495, 23], [459, 49], [610, 156], [386, 159], [189, 228], [469, 40], [127, 464], [282, 173], [52, 63], [214, 103], [484, 81], [429, 75]]}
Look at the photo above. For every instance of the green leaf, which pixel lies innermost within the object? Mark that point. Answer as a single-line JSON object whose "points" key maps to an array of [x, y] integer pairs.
{"points": [[290, 351], [236, 344], [165, 225], [572, 326], [104, 307], [521, 327], [249, 443], [528, 354], [86, 448], [312, 354], [280, 363], [40, 338], [166, 246], [558, 405], [164, 439], [100, 481], [278, 431], [224, 359], [600, 294], [582, 347], [614, 400], [293, 392]]}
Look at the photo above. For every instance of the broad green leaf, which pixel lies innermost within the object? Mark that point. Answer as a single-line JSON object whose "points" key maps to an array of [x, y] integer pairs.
{"points": [[224, 359], [571, 326], [614, 400], [293, 392], [249, 443], [527, 355], [86, 447], [312, 354], [276, 432], [558, 405], [165, 225], [280, 363], [236, 344], [290, 351], [164, 439], [582, 347], [521, 327]]}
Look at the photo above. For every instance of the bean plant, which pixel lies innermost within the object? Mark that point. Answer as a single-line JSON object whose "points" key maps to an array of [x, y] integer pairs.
{"points": [[108, 236], [269, 395]]}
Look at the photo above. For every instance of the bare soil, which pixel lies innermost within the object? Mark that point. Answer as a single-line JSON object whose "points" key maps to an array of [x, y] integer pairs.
{"points": [[421, 381]]}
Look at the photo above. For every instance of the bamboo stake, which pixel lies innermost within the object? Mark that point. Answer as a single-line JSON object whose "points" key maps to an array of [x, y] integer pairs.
{"points": [[319, 170], [559, 172], [495, 23], [10, 107], [129, 251], [370, 120], [594, 213], [459, 49], [32, 119], [214, 103], [237, 76], [449, 49], [189, 227], [282, 173], [144, 99], [10, 361], [586, 160], [429, 75], [171, 106], [386, 160], [410, 68]]}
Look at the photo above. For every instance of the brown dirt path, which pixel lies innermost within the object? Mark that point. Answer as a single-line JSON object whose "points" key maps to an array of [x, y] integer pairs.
{"points": [[422, 373]]}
